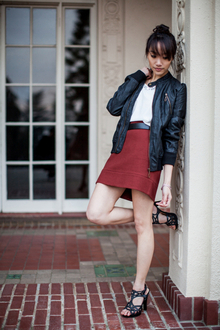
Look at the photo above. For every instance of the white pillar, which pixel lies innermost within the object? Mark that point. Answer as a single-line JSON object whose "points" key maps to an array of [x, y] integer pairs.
{"points": [[195, 249]]}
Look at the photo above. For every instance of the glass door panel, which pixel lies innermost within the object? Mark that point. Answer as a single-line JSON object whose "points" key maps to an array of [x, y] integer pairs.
{"points": [[77, 58], [31, 103]]}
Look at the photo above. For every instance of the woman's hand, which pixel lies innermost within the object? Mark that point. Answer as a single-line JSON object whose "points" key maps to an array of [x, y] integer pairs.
{"points": [[166, 197], [166, 188], [147, 72]]}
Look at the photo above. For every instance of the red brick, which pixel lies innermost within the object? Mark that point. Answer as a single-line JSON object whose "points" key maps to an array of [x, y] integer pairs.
{"points": [[82, 307], [7, 289], [42, 302], [170, 319], [12, 318], [100, 326], [69, 316], [97, 315], [116, 286], [28, 308], [31, 290], [81, 297], [1, 321], [95, 300], [69, 327], [84, 322], [113, 322], [44, 289], [55, 323], [155, 317], [128, 323], [162, 305], [55, 289], [55, 308], [5, 299], [40, 327], [120, 300], [69, 301], [80, 288], [92, 288], [3, 308], [40, 317], [142, 322], [109, 306], [55, 297], [30, 298], [198, 308], [104, 287], [68, 288], [25, 323], [211, 312], [106, 296], [184, 308], [19, 291], [16, 303]]}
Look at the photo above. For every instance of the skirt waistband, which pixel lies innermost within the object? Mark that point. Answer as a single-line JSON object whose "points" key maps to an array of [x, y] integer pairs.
{"points": [[138, 126]]}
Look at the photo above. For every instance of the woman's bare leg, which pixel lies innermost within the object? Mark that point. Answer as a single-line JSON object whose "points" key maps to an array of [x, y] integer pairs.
{"points": [[102, 209], [143, 206]]}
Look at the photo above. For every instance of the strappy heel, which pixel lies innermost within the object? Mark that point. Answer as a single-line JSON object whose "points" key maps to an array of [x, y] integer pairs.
{"points": [[172, 219], [135, 310]]}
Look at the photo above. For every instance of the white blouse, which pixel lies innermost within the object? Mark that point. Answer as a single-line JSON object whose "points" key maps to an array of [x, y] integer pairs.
{"points": [[142, 110]]}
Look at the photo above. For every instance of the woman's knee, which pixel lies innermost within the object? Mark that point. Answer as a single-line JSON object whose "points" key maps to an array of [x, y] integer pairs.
{"points": [[94, 216], [142, 224]]}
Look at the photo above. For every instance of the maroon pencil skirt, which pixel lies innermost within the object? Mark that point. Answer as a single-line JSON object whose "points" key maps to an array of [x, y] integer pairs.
{"points": [[129, 168]]}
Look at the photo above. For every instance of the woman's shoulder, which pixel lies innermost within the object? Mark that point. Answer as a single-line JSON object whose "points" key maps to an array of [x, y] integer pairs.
{"points": [[176, 84]]}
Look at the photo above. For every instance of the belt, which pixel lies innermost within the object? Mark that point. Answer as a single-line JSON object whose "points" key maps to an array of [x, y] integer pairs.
{"points": [[138, 126]]}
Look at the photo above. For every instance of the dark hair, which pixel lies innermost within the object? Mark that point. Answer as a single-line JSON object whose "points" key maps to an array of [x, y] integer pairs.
{"points": [[161, 35]]}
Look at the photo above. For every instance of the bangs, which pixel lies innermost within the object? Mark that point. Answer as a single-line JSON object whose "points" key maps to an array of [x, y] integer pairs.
{"points": [[161, 45]]}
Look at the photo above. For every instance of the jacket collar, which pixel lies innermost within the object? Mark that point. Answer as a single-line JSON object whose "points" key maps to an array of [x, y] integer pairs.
{"points": [[163, 79]]}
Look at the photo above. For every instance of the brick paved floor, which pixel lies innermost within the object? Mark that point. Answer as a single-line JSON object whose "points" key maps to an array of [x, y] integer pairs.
{"points": [[68, 274]]}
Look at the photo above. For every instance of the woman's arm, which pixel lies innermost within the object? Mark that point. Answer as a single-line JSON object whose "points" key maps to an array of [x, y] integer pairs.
{"points": [[166, 187], [132, 81]]}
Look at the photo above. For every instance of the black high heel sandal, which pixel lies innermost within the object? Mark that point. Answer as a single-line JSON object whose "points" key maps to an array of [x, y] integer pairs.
{"points": [[172, 219], [136, 310]]}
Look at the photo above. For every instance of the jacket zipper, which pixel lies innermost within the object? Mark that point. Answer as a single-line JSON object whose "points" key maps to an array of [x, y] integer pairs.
{"points": [[167, 99], [125, 119]]}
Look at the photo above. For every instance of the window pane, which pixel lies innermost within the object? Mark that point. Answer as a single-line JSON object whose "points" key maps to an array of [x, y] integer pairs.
{"points": [[77, 181], [44, 65], [17, 104], [77, 65], [44, 142], [77, 103], [17, 26], [17, 138], [76, 142], [17, 182], [17, 65], [44, 26], [44, 103], [44, 181], [77, 27]]}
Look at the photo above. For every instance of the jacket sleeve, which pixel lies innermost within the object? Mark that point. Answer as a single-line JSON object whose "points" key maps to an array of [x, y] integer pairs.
{"points": [[171, 132], [117, 102]]}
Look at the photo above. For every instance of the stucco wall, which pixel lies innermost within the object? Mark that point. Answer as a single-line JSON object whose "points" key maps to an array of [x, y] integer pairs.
{"points": [[199, 274]]}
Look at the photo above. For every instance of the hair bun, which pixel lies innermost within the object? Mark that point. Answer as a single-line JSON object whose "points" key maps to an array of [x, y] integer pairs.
{"points": [[161, 29]]}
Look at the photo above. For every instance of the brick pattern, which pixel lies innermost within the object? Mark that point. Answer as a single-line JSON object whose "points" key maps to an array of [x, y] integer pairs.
{"points": [[190, 308], [45, 252], [84, 306]]}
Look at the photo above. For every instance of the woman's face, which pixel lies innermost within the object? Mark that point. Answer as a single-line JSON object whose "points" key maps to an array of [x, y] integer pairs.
{"points": [[159, 63]]}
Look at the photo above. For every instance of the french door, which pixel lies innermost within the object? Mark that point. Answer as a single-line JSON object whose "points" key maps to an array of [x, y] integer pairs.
{"points": [[49, 108]]}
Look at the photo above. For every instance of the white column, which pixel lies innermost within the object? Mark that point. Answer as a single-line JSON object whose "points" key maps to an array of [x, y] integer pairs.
{"points": [[195, 250]]}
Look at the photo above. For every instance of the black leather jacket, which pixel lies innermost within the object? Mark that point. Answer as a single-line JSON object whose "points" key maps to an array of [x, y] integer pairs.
{"points": [[169, 109]]}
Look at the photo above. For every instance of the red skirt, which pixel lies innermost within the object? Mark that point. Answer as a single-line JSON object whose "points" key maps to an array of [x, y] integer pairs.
{"points": [[129, 168]]}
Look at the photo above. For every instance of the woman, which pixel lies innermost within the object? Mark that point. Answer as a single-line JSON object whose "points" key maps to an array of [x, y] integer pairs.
{"points": [[152, 106]]}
